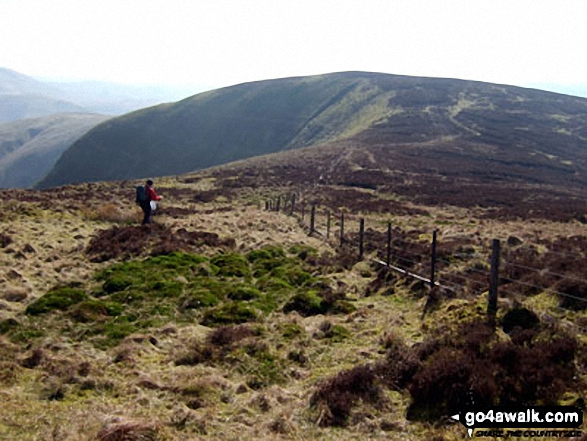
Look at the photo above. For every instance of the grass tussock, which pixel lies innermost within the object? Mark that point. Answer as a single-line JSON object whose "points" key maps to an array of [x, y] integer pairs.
{"points": [[126, 430], [112, 213]]}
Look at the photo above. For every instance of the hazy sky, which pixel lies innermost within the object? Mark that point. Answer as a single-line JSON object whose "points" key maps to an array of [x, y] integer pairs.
{"points": [[222, 42]]}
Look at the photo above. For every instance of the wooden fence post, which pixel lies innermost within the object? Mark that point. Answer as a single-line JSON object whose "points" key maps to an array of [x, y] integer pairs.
{"points": [[361, 238], [277, 208], [313, 219], [341, 229], [266, 205], [328, 225], [433, 260], [432, 298], [493, 283], [388, 244], [303, 211]]}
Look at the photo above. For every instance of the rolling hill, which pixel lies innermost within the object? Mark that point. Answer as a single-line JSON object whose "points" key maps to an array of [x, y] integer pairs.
{"points": [[30, 147], [22, 96], [444, 129]]}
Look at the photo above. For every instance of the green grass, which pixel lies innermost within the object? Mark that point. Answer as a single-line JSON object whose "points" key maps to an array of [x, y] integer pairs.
{"points": [[60, 298], [139, 295]]}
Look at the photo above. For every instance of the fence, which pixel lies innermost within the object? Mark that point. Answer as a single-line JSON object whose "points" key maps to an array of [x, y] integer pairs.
{"points": [[421, 261]]}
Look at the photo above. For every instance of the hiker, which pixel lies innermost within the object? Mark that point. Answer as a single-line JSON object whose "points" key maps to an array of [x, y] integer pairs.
{"points": [[145, 195]]}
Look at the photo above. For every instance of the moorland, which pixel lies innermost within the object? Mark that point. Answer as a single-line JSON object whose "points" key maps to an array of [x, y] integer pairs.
{"points": [[224, 320]]}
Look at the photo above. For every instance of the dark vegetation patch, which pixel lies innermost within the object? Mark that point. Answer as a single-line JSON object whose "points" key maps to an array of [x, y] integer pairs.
{"points": [[369, 173], [176, 212], [466, 366], [132, 241], [356, 201], [5, 240], [336, 397]]}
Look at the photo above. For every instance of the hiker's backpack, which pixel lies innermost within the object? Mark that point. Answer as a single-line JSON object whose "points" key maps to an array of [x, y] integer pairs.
{"points": [[141, 194]]}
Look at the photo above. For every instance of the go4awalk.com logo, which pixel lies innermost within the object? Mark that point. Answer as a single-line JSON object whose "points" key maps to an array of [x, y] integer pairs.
{"points": [[524, 422]]}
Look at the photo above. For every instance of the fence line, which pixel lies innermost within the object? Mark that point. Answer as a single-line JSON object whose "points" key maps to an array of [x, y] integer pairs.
{"points": [[495, 283]]}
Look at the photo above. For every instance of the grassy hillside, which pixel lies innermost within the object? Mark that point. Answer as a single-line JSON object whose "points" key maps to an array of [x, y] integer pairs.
{"points": [[29, 148], [15, 107], [224, 321], [470, 120]]}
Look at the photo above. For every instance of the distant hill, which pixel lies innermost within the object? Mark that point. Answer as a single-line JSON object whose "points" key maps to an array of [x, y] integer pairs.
{"points": [[15, 83], [15, 107], [445, 126], [29, 148], [22, 96], [117, 99]]}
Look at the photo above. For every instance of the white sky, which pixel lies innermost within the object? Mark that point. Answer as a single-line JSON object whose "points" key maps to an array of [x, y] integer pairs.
{"points": [[216, 43]]}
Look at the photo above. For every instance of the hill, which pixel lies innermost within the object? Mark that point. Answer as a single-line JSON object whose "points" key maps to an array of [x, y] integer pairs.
{"points": [[22, 96], [30, 147], [15, 107], [443, 126], [15, 83], [117, 99]]}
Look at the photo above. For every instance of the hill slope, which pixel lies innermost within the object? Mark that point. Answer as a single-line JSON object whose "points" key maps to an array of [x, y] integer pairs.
{"points": [[15, 83], [29, 148], [394, 112]]}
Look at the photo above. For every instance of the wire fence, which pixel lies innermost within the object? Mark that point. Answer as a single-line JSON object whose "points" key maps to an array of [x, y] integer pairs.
{"points": [[458, 268]]}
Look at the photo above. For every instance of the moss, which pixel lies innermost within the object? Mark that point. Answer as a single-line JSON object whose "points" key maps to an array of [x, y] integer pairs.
{"points": [[230, 313], [116, 284], [266, 259], [165, 288], [306, 303], [129, 297], [93, 310], [243, 292], [273, 284], [231, 265], [56, 299], [266, 254], [198, 298], [294, 275], [137, 295], [178, 261], [313, 303]]}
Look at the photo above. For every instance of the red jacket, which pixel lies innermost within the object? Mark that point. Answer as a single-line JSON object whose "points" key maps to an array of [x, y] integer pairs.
{"points": [[151, 195]]}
